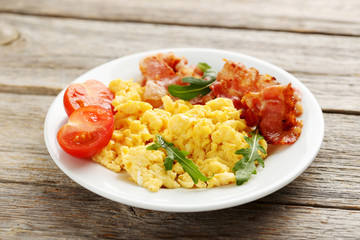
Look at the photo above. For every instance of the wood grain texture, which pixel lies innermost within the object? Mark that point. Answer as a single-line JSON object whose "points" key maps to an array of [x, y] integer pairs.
{"points": [[322, 16], [331, 181], [46, 44], [43, 60], [48, 212]]}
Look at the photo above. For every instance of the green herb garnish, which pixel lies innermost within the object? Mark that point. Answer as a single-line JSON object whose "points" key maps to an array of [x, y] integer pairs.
{"points": [[203, 66], [246, 165], [198, 87], [174, 153]]}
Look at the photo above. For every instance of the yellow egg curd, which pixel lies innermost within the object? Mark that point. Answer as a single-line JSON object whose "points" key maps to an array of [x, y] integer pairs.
{"points": [[210, 133]]}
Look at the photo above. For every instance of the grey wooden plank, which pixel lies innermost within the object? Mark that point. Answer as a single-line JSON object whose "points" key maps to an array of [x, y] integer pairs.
{"points": [[48, 212], [40, 55], [45, 59], [328, 17]]}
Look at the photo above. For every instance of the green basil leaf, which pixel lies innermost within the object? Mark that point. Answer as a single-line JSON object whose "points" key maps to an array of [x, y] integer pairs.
{"points": [[191, 91], [195, 81], [198, 87]]}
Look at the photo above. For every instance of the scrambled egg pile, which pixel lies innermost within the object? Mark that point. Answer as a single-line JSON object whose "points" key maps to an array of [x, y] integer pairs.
{"points": [[210, 133]]}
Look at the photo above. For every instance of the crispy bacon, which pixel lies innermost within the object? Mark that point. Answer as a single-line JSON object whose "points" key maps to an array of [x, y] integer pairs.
{"points": [[155, 69], [235, 80], [273, 110], [265, 103], [160, 71]]}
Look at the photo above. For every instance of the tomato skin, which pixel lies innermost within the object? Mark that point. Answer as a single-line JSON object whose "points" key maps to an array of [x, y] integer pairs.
{"points": [[89, 129], [91, 92]]}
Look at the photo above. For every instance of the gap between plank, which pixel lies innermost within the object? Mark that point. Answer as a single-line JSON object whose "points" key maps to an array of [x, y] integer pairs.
{"points": [[51, 184], [180, 24], [338, 111]]}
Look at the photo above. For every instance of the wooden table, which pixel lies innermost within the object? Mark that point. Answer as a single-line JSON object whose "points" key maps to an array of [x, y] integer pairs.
{"points": [[44, 45]]}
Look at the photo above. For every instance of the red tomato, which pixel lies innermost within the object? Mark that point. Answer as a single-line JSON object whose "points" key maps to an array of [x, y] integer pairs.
{"points": [[88, 130], [91, 92]]}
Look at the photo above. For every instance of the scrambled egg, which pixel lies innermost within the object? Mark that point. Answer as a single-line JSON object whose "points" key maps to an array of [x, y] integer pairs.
{"points": [[210, 133]]}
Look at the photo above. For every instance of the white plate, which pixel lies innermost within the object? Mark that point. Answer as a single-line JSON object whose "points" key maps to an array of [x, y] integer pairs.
{"points": [[282, 166]]}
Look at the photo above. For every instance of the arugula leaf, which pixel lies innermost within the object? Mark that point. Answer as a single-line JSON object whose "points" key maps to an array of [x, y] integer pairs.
{"points": [[174, 153], [154, 146], [197, 87], [203, 66], [246, 165], [168, 163]]}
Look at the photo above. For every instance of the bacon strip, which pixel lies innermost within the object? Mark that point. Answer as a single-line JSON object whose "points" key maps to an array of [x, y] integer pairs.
{"points": [[264, 102], [156, 69], [235, 80], [273, 110], [160, 71]]}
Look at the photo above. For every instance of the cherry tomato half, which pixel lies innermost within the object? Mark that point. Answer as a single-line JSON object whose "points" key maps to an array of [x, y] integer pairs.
{"points": [[88, 130], [91, 92]]}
